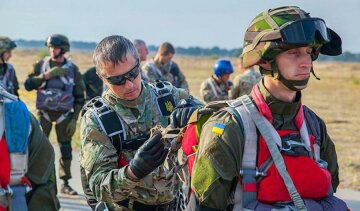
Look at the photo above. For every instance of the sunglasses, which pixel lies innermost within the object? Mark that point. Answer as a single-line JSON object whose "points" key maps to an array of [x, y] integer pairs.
{"points": [[121, 79], [305, 31]]}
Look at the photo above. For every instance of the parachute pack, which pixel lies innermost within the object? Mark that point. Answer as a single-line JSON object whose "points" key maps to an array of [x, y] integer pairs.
{"points": [[251, 121]]}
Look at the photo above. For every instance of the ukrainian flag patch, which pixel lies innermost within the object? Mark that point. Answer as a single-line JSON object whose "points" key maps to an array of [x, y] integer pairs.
{"points": [[218, 128]]}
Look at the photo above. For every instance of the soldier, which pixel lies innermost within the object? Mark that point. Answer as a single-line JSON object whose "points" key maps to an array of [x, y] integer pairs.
{"points": [[218, 85], [244, 82], [120, 163], [27, 176], [93, 84], [59, 99], [8, 78], [164, 69], [233, 173], [143, 51]]}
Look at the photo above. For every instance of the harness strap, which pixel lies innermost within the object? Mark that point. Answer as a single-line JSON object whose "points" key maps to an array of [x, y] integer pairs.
{"points": [[267, 131], [214, 88], [247, 188]]}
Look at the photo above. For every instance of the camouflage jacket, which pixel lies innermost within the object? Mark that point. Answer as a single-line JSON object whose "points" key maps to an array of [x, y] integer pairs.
{"points": [[244, 83], [99, 159], [210, 90], [168, 72], [219, 157]]}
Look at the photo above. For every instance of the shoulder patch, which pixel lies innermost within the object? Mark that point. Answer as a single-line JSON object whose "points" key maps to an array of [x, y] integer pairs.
{"points": [[218, 128]]}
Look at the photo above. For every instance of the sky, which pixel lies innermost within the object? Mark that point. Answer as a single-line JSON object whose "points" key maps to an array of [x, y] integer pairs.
{"points": [[203, 23]]}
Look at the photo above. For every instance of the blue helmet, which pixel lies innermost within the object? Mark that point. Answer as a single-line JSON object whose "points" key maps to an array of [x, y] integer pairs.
{"points": [[222, 67]]}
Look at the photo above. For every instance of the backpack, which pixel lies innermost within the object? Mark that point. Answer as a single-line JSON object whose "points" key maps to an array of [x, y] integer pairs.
{"points": [[249, 169]]}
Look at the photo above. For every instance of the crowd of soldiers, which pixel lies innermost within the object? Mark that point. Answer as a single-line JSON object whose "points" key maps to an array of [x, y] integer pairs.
{"points": [[257, 147]]}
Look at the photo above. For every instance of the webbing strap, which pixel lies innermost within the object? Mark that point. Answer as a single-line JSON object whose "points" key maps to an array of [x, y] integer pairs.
{"points": [[267, 131], [246, 190]]}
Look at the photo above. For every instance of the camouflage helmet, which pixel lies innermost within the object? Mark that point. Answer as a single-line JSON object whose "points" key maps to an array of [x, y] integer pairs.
{"points": [[276, 30], [58, 41], [6, 44]]}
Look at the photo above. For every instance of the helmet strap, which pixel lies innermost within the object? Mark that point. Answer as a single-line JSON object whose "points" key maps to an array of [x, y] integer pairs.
{"points": [[293, 85], [313, 72]]}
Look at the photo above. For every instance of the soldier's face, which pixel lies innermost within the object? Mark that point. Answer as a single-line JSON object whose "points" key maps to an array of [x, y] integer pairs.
{"points": [[164, 59], [143, 52], [295, 64], [7, 55], [130, 90], [54, 52]]}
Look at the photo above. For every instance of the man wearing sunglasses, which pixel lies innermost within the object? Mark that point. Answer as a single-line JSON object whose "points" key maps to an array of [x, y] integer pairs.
{"points": [[121, 163], [59, 99], [275, 154]]}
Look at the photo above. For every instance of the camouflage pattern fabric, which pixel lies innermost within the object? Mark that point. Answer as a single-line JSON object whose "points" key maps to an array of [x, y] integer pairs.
{"points": [[218, 160], [99, 159], [210, 90], [168, 72], [244, 83]]}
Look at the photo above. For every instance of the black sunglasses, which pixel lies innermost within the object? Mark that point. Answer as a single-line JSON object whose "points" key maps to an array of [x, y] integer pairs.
{"points": [[121, 79], [305, 31]]}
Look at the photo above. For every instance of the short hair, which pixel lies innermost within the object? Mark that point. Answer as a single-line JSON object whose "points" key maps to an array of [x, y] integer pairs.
{"points": [[113, 49], [138, 42], [166, 48]]}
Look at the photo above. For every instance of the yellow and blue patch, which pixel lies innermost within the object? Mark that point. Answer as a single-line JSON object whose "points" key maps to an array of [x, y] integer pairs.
{"points": [[218, 128]]}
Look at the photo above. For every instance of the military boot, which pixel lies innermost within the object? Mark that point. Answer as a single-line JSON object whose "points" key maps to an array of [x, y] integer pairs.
{"points": [[68, 190]]}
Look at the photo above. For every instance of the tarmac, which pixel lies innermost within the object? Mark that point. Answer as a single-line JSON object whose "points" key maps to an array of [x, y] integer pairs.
{"points": [[78, 203]]}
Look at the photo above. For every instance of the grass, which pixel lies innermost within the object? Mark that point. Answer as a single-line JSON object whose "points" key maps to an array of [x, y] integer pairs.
{"points": [[335, 98]]}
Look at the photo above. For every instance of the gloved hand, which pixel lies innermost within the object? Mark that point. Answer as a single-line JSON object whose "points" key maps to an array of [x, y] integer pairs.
{"points": [[148, 157], [56, 72], [180, 116], [71, 127]]}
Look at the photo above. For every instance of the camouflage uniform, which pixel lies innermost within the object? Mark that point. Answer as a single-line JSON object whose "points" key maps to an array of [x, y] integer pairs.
{"points": [[244, 83], [34, 81], [218, 160], [102, 179], [210, 90], [169, 72], [93, 84]]}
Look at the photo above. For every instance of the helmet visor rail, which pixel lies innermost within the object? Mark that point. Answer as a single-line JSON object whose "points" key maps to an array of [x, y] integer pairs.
{"points": [[305, 31]]}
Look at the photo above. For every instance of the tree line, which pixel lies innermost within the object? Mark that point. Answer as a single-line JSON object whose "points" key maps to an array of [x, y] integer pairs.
{"points": [[189, 51]]}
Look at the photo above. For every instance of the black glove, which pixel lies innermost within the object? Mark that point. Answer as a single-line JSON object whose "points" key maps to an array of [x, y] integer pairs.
{"points": [[148, 157], [180, 116]]}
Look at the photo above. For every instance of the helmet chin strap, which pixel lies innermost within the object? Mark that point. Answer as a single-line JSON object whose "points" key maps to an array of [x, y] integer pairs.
{"points": [[294, 85]]}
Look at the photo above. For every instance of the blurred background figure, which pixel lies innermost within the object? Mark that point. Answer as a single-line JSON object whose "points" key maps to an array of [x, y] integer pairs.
{"points": [[244, 82], [93, 84], [8, 79], [143, 51], [164, 69], [59, 99], [218, 85]]}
